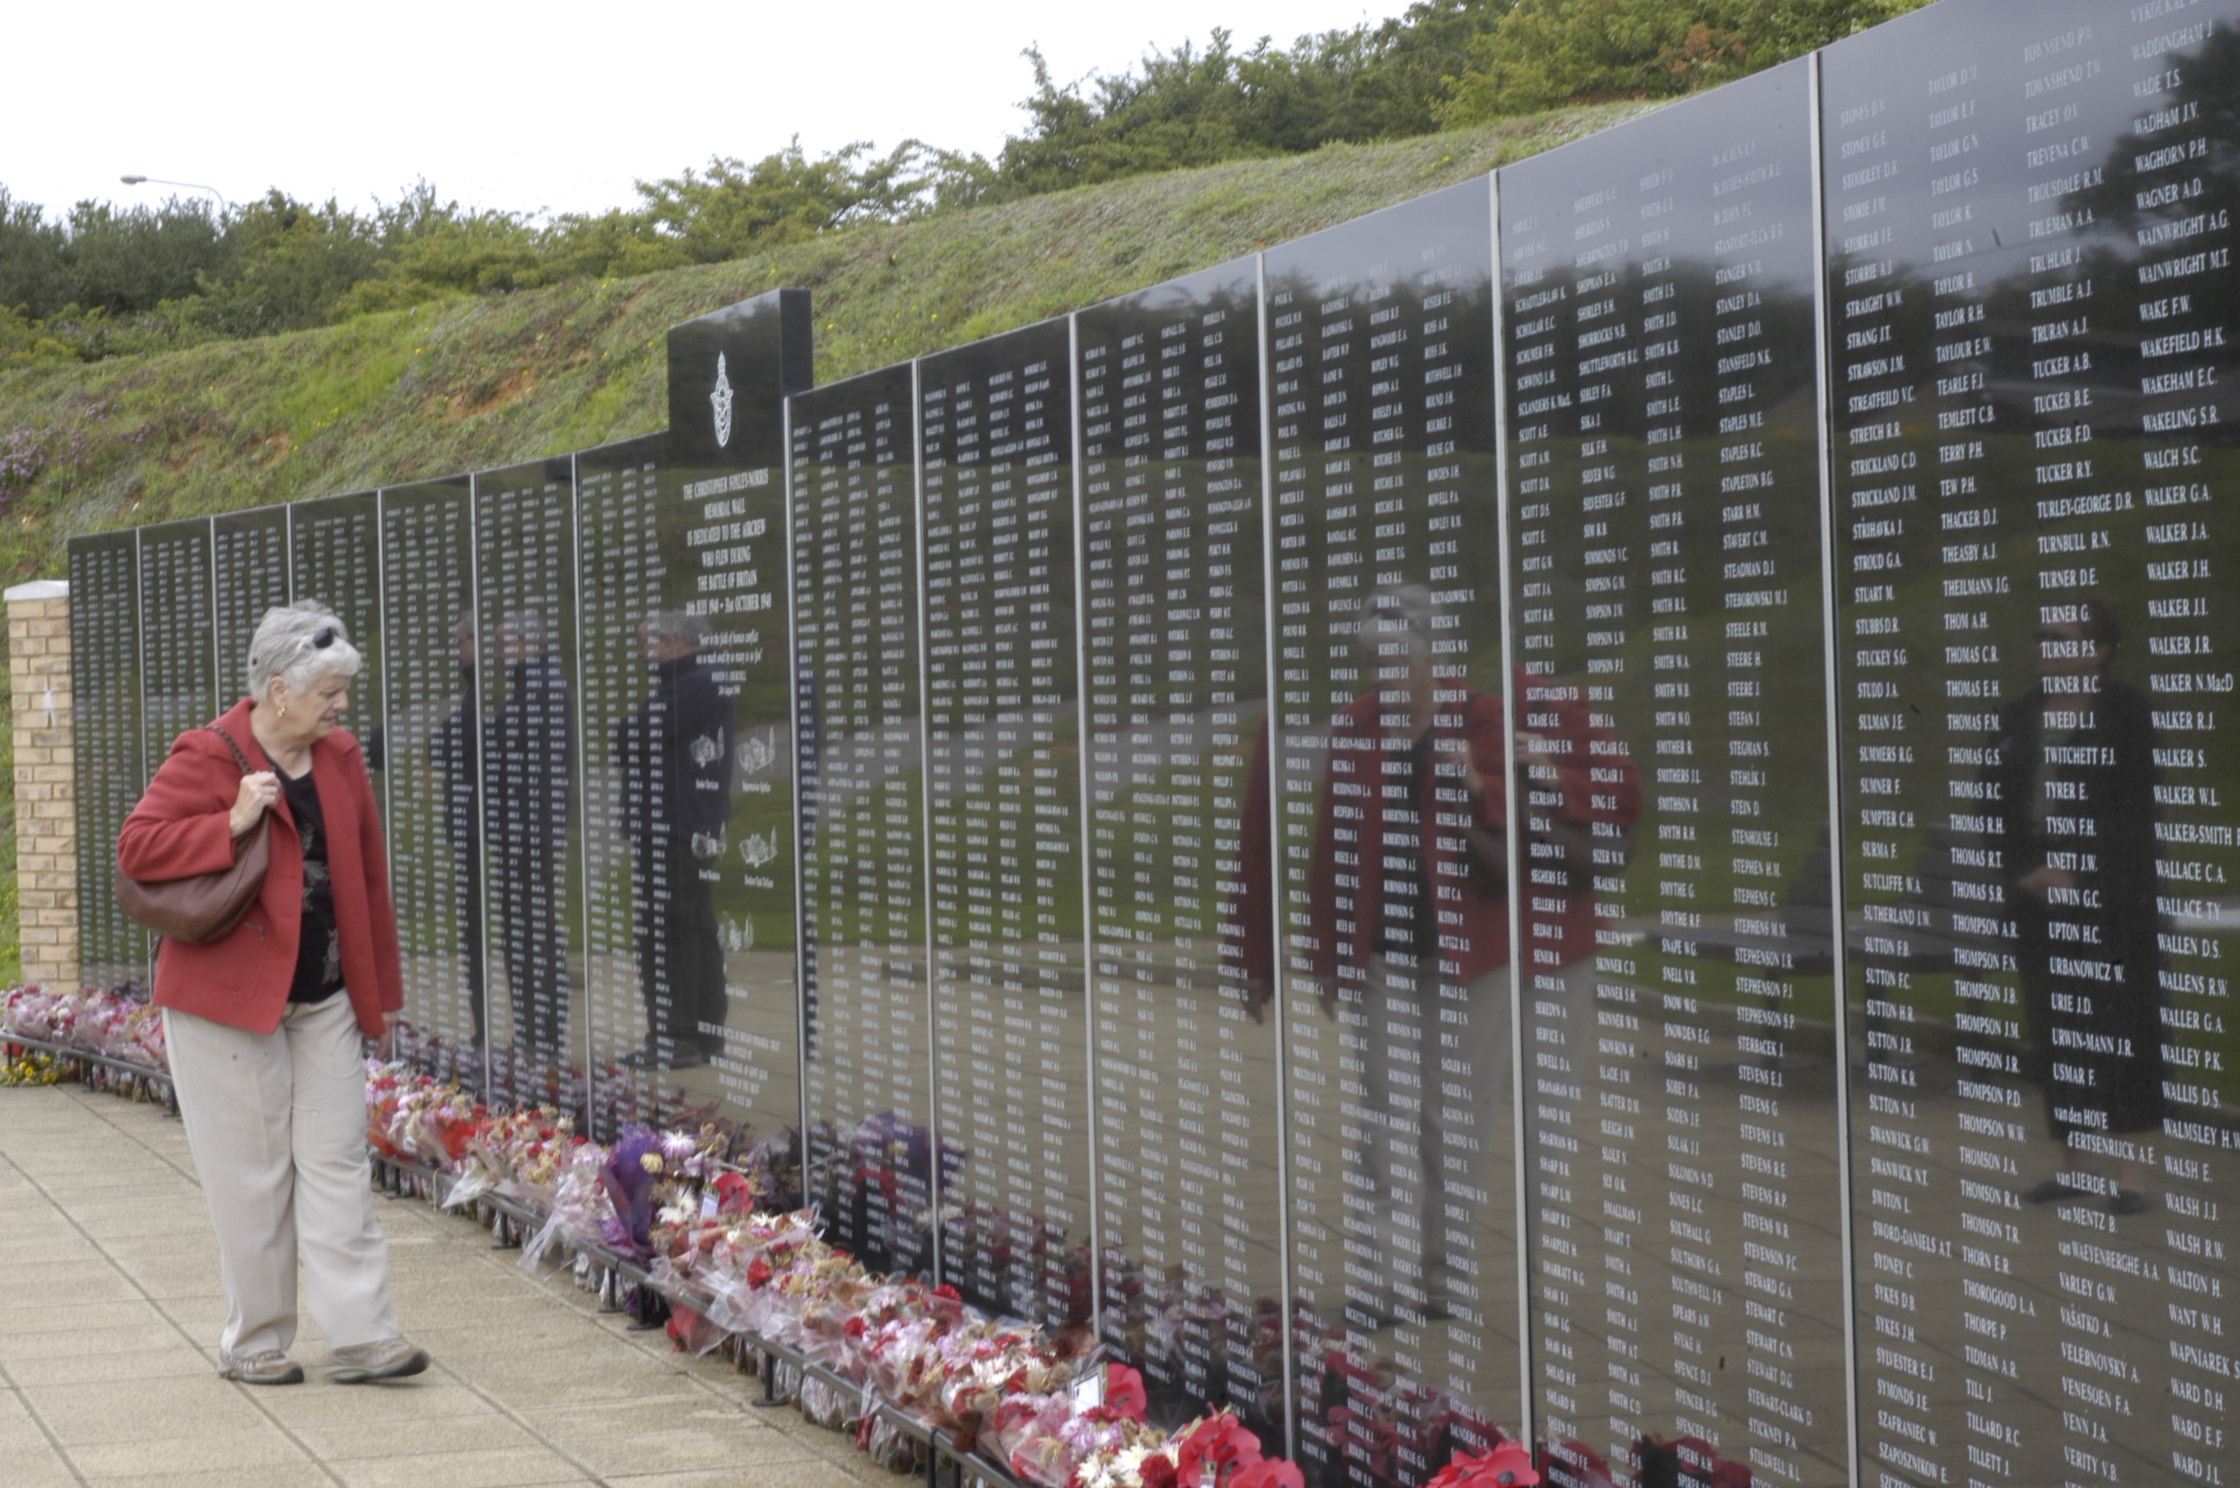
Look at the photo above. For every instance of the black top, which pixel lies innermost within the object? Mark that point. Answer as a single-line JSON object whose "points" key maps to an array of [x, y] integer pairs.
{"points": [[319, 956], [675, 752]]}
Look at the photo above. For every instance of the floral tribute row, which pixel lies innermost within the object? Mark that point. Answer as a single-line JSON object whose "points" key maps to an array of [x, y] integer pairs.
{"points": [[725, 1268]]}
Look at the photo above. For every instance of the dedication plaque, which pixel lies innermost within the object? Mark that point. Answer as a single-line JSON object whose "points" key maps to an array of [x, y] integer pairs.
{"points": [[336, 560], [2028, 217], [867, 1025], [1182, 941], [714, 836], [179, 678], [524, 682], [1011, 1041], [619, 571], [1390, 768], [429, 749], [105, 717], [249, 554], [1683, 1189]]}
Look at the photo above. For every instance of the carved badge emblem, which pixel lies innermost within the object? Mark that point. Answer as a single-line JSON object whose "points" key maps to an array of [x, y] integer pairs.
{"points": [[756, 754], [706, 751], [759, 848], [721, 399]]}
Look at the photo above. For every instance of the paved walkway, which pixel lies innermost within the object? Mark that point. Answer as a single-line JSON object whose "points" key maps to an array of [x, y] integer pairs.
{"points": [[109, 1318]]}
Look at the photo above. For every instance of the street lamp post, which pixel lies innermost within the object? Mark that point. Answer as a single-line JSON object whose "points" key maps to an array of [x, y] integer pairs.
{"points": [[224, 206]]}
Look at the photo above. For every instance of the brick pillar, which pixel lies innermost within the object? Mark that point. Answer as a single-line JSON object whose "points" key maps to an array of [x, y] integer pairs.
{"points": [[46, 795]]}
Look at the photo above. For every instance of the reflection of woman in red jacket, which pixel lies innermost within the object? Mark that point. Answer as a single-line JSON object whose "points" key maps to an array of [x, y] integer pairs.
{"points": [[1407, 936], [264, 1026]]}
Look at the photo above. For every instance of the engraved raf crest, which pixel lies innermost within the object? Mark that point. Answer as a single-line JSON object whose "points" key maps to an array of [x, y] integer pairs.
{"points": [[706, 751], [721, 399]]}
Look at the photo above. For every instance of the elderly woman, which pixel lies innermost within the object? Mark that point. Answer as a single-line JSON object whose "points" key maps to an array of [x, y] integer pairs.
{"points": [[264, 1024]]}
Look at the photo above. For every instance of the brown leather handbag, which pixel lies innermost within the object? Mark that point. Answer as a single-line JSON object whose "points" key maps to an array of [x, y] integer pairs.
{"points": [[207, 906]]}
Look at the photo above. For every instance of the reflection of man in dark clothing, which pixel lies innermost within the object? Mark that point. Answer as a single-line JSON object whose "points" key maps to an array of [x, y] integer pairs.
{"points": [[528, 745], [675, 755], [455, 749], [2076, 774]]}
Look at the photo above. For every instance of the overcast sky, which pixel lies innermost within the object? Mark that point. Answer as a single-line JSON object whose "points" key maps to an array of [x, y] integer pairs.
{"points": [[558, 106]]}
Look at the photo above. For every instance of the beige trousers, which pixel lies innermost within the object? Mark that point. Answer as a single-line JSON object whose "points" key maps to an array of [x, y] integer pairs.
{"points": [[278, 1126]]}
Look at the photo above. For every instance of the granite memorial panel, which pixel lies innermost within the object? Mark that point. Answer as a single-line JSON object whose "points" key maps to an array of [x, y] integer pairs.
{"points": [[1390, 767], [1688, 1302], [430, 771], [867, 1021], [525, 684], [335, 558], [249, 558], [2028, 222], [179, 674], [620, 580], [111, 771], [1174, 641], [714, 840], [1011, 1039]]}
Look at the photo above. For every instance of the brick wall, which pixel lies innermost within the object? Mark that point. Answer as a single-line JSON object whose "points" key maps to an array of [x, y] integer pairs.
{"points": [[46, 820]]}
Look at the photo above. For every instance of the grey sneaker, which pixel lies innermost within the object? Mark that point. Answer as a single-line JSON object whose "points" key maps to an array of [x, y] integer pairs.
{"points": [[363, 1363], [268, 1368]]}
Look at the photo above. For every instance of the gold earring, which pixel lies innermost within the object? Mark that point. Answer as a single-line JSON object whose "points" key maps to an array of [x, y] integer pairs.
{"points": [[283, 710]]}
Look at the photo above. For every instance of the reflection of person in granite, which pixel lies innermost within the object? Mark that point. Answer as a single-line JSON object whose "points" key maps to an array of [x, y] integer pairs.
{"points": [[2074, 763], [675, 756], [455, 749], [528, 745], [1410, 948]]}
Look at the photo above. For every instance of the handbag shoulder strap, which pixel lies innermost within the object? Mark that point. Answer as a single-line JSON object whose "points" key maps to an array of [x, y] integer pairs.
{"points": [[239, 758]]}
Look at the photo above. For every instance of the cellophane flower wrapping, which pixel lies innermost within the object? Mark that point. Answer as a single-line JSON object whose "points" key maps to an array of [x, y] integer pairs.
{"points": [[729, 1266], [580, 1207]]}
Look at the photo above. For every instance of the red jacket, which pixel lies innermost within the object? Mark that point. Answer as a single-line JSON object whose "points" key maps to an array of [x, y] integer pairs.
{"points": [[1472, 920], [180, 829]]}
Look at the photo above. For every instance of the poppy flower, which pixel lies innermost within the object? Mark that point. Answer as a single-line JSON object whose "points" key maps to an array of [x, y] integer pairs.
{"points": [[1507, 1465], [1221, 1442]]}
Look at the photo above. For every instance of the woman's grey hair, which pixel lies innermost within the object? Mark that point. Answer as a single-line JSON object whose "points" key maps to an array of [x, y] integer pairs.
{"points": [[288, 645]]}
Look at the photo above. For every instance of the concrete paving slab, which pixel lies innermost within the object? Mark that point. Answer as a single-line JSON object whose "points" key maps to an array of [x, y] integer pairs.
{"points": [[108, 1340]]}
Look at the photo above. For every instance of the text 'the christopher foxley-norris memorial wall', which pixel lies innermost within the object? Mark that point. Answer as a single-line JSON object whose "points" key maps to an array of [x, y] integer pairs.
{"points": [[1588, 808]]}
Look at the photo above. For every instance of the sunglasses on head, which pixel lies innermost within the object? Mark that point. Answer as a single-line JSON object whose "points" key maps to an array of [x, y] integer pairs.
{"points": [[324, 638]]}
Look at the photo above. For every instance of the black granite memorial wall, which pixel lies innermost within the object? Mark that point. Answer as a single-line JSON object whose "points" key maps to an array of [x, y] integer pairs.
{"points": [[335, 558], [860, 752], [525, 684], [249, 564], [105, 720], [1389, 765], [1608, 778], [1174, 642], [2029, 233], [179, 677], [716, 727], [1003, 756], [1687, 1290], [430, 770], [619, 573]]}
